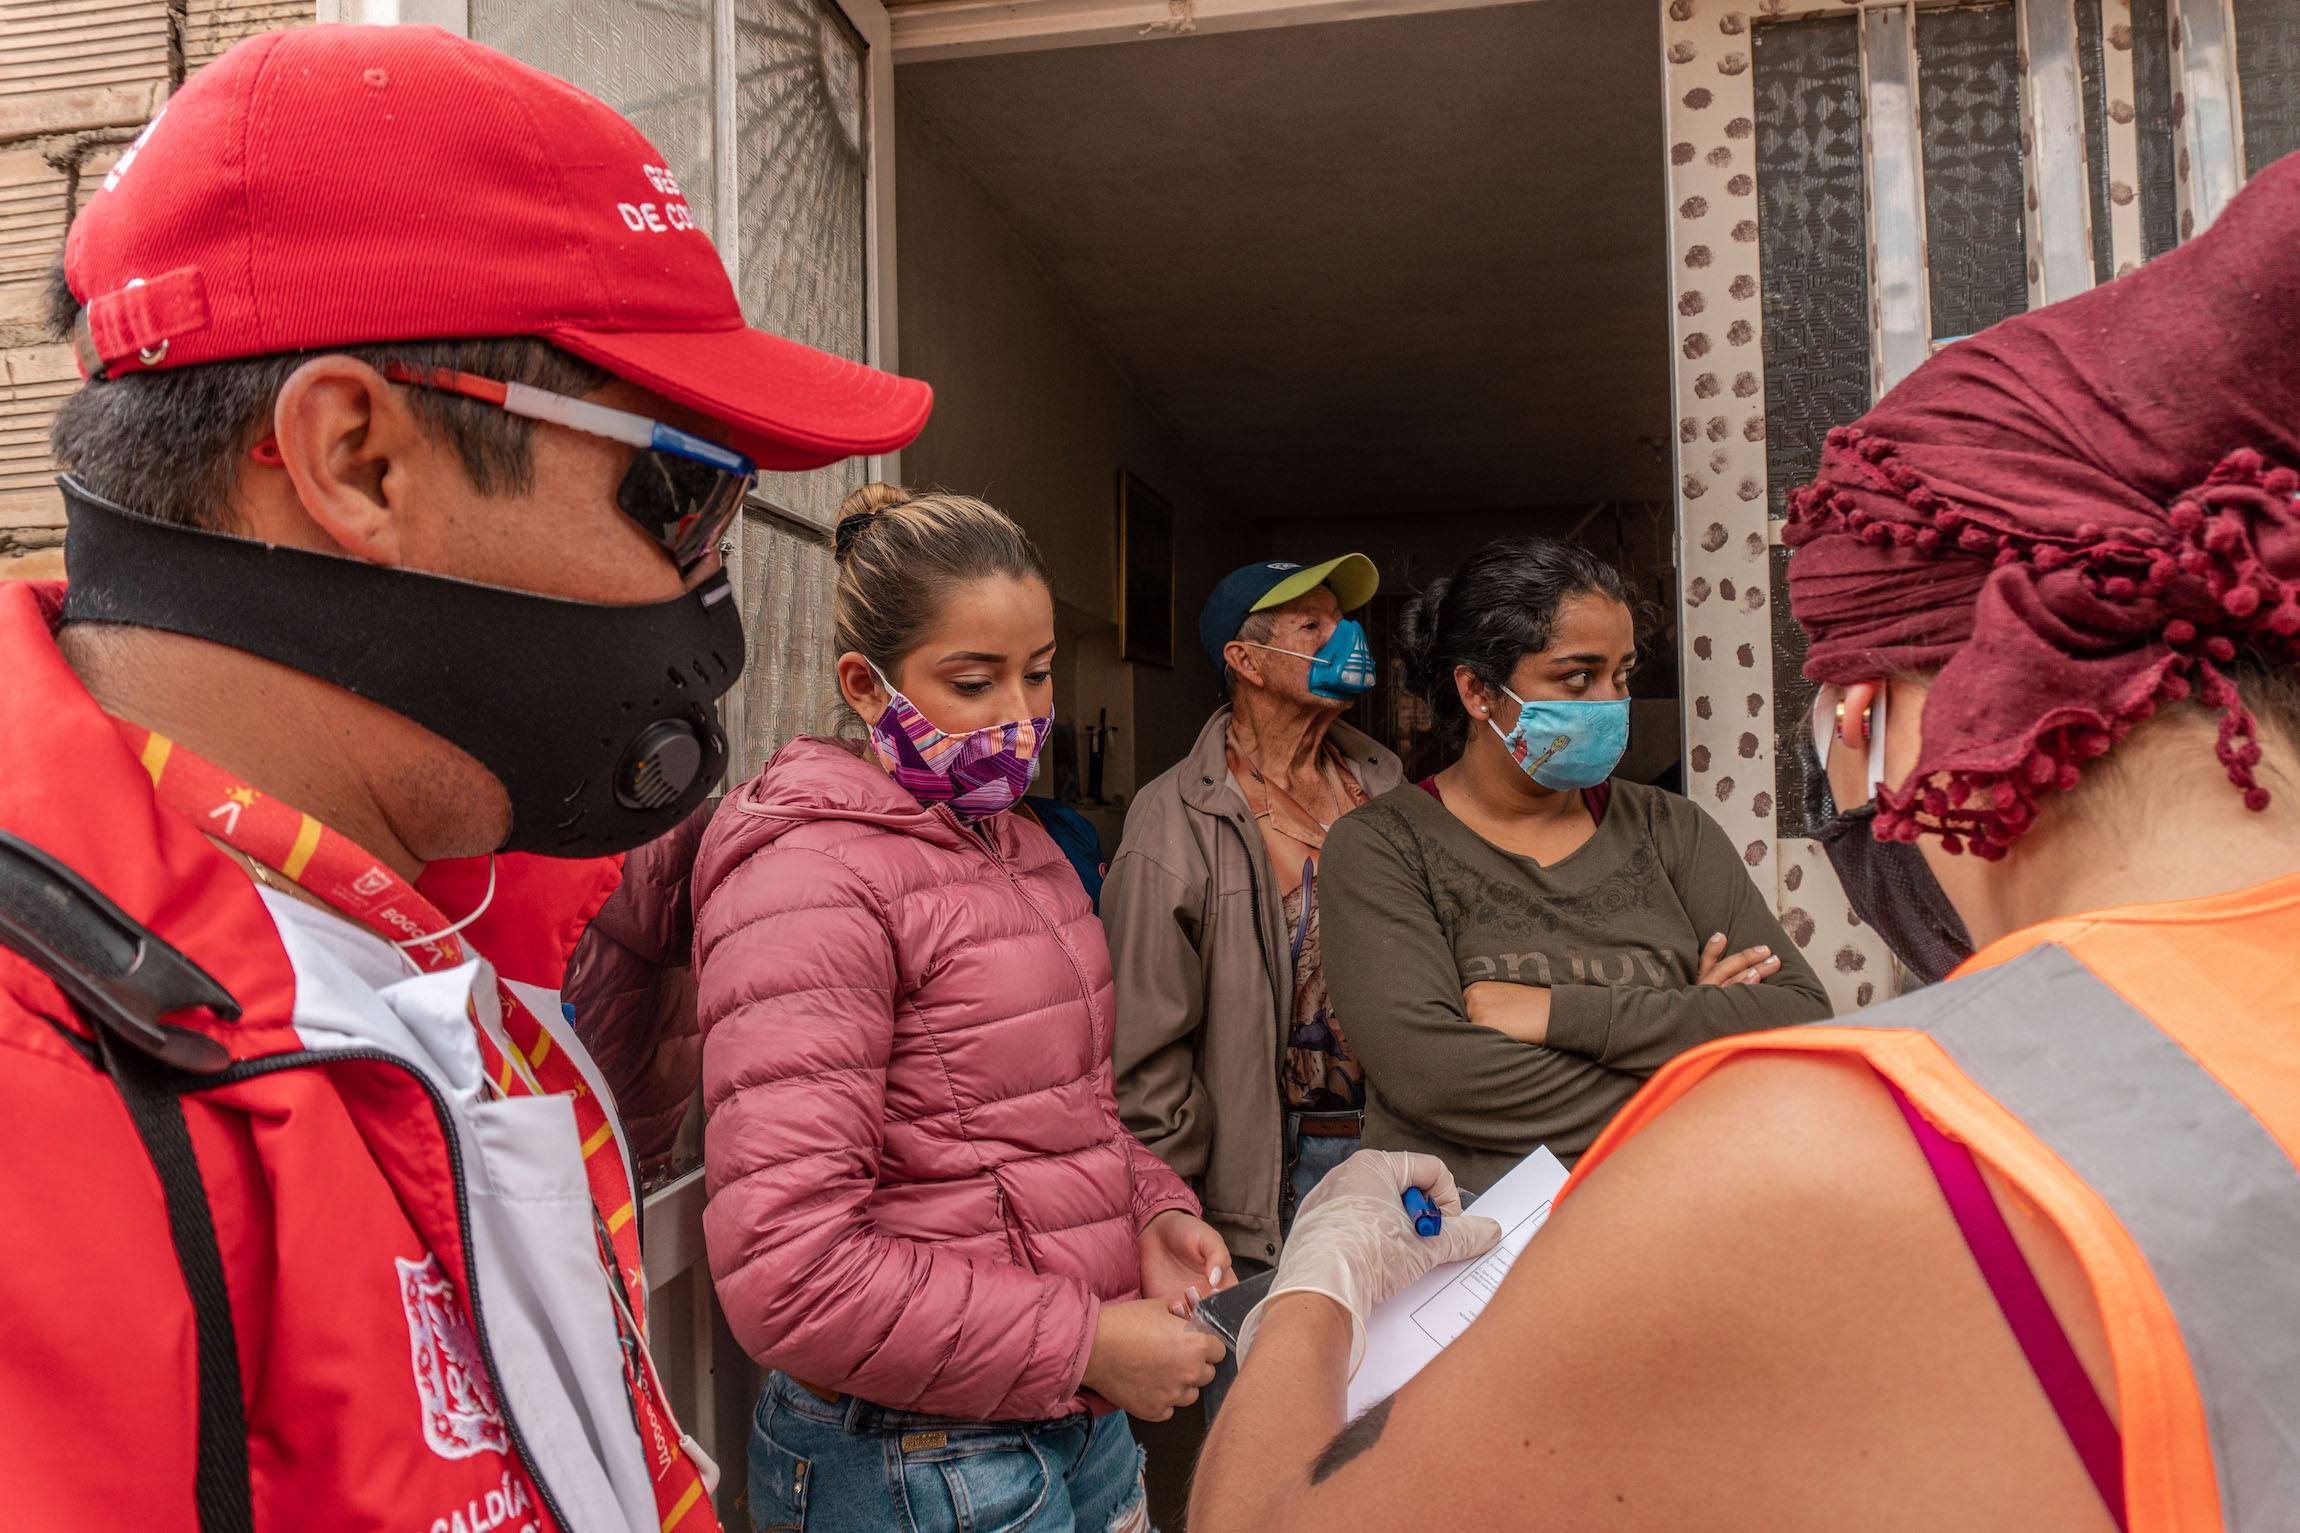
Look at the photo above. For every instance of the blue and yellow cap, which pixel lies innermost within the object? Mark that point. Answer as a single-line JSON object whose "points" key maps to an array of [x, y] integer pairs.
{"points": [[1258, 587]]}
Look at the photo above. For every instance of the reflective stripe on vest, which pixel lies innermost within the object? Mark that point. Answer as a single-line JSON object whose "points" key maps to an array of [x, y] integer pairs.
{"points": [[2196, 1180]]}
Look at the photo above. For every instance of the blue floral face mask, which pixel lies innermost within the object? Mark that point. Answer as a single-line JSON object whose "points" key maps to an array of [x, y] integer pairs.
{"points": [[1566, 744], [1341, 669]]}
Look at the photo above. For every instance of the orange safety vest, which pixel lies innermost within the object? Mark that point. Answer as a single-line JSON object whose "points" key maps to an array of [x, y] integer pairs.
{"points": [[2136, 1074]]}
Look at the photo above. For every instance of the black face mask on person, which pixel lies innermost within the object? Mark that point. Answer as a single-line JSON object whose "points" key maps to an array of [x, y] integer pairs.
{"points": [[596, 719], [1887, 882]]}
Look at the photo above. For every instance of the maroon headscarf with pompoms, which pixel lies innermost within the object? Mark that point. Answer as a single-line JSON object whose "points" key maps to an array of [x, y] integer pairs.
{"points": [[2075, 515]]}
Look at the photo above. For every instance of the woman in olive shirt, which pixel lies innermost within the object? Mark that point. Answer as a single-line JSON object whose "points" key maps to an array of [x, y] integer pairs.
{"points": [[1520, 940]]}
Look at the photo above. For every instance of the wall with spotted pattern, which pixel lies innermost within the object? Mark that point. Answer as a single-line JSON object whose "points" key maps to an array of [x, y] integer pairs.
{"points": [[1725, 537], [2043, 126]]}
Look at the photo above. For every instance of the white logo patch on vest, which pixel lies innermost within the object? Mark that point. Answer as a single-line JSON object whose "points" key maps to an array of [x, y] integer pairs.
{"points": [[460, 1418]]}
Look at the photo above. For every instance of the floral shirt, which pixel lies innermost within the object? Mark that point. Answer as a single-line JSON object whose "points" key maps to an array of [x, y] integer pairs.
{"points": [[1320, 1074]]}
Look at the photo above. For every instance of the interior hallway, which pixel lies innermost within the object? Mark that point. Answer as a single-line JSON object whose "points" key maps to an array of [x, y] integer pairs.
{"points": [[1394, 285]]}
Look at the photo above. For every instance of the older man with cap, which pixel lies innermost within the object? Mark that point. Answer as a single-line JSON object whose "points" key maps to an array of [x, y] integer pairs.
{"points": [[1231, 1063], [395, 615]]}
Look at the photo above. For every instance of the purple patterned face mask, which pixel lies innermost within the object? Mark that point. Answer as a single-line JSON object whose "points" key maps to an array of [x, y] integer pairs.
{"points": [[978, 774]]}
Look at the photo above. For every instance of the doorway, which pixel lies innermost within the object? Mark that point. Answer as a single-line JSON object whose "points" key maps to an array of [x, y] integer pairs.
{"points": [[1396, 286]]}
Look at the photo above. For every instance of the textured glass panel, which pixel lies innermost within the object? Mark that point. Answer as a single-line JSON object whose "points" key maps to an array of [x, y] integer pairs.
{"points": [[2089, 60], [1792, 705], [787, 614], [648, 59], [1968, 82], [2152, 106], [1812, 254], [2268, 73], [801, 150], [1811, 242]]}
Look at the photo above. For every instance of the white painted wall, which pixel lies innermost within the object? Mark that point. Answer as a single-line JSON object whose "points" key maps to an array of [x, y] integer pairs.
{"points": [[1032, 415]]}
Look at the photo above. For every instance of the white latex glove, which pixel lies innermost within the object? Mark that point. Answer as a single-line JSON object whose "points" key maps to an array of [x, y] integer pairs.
{"points": [[1354, 1242]]}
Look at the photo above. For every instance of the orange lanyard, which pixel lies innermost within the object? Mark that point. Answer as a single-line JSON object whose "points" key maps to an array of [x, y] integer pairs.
{"points": [[520, 1059]]}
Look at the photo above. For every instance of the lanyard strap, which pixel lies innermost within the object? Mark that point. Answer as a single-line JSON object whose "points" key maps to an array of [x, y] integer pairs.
{"points": [[2043, 1340], [514, 1046]]}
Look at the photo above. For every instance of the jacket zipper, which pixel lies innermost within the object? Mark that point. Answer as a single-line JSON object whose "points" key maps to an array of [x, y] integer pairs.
{"points": [[1085, 991], [305, 1058]]}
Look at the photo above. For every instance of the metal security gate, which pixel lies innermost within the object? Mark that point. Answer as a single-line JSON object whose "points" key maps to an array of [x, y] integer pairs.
{"points": [[1851, 186]]}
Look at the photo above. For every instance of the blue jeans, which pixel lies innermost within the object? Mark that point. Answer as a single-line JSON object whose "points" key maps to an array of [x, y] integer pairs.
{"points": [[855, 1467], [1318, 1154]]}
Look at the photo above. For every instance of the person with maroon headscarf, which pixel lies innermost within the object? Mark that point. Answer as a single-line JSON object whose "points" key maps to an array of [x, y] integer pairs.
{"points": [[2017, 1250]]}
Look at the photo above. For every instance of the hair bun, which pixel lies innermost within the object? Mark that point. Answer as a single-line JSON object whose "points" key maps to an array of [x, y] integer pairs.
{"points": [[858, 510], [850, 528]]}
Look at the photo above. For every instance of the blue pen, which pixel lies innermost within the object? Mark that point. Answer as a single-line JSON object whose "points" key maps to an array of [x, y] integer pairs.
{"points": [[1423, 1212]]}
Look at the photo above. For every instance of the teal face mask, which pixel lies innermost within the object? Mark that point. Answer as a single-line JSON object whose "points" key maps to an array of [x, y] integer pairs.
{"points": [[1342, 668], [1566, 744]]}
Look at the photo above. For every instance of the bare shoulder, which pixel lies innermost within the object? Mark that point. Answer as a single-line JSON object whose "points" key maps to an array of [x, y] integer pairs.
{"points": [[1756, 1312], [1789, 1123], [1771, 1157]]}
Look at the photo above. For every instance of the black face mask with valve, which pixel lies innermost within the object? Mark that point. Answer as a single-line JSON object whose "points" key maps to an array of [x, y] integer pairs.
{"points": [[597, 719], [1887, 882]]}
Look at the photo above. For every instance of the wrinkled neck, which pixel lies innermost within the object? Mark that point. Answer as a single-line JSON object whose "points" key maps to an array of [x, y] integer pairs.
{"points": [[1279, 736]]}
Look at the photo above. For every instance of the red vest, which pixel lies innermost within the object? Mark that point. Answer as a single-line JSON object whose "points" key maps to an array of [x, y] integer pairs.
{"points": [[334, 1190]]}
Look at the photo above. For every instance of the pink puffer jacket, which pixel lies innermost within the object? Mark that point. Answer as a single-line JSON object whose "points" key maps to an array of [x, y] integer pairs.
{"points": [[920, 1192]]}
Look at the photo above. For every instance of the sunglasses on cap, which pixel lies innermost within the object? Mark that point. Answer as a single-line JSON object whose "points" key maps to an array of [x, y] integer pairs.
{"points": [[681, 489]]}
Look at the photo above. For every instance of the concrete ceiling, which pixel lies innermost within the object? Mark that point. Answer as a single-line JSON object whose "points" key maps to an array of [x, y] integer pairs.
{"points": [[1401, 264]]}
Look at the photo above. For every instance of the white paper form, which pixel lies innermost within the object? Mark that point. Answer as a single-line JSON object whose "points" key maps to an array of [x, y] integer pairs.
{"points": [[1412, 1327]]}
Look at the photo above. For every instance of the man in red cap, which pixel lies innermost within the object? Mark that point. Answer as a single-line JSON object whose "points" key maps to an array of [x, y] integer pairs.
{"points": [[417, 406]]}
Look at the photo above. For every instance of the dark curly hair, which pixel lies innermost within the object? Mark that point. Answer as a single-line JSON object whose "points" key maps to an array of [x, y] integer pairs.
{"points": [[1498, 607]]}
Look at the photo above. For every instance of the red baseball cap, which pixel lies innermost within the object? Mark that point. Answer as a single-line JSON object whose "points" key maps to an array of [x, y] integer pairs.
{"points": [[337, 185]]}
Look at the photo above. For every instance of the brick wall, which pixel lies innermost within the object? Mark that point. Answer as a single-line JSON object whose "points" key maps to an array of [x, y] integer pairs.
{"points": [[78, 80]]}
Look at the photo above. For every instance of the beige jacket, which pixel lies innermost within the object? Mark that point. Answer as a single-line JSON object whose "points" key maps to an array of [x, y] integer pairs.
{"points": [[1198, 939]]}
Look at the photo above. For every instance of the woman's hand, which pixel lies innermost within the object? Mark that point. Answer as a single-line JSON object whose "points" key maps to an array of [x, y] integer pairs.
{"points": [[1146, 1361], [1180, 1250], [1746, 967], [1353, 1241], [1522, 1011]]}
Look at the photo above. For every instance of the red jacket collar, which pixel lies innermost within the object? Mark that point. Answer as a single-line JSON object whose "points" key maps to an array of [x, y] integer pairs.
{"points": [[69, 786]]}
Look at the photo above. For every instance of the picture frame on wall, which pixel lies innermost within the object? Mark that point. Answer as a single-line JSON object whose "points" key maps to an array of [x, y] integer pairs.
{"points": [[1145, 573]]}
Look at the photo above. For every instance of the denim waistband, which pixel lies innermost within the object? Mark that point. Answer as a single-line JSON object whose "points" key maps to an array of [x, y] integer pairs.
{"points": [[854, 1414]]}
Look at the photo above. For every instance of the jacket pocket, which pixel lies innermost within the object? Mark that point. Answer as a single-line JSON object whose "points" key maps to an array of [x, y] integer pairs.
{"points": [[778, 1486]]}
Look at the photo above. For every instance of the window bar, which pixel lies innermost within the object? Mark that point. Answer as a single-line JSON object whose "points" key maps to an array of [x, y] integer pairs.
{"points": [[726, 181], [2121, 134], [2052, 103], [734, 708], [2208, 126], [1900, 305], [701, 1418]]}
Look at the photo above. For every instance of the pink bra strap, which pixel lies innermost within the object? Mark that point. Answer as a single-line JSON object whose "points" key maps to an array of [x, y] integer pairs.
{"points": [[2091, 1431]]}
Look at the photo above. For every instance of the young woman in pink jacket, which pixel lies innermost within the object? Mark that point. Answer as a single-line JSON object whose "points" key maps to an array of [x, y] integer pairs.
{"points": [[925, 1215]]}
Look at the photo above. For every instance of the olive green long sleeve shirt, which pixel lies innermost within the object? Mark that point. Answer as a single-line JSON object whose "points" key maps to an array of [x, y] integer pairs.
{"points": [[1416, 906]]}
